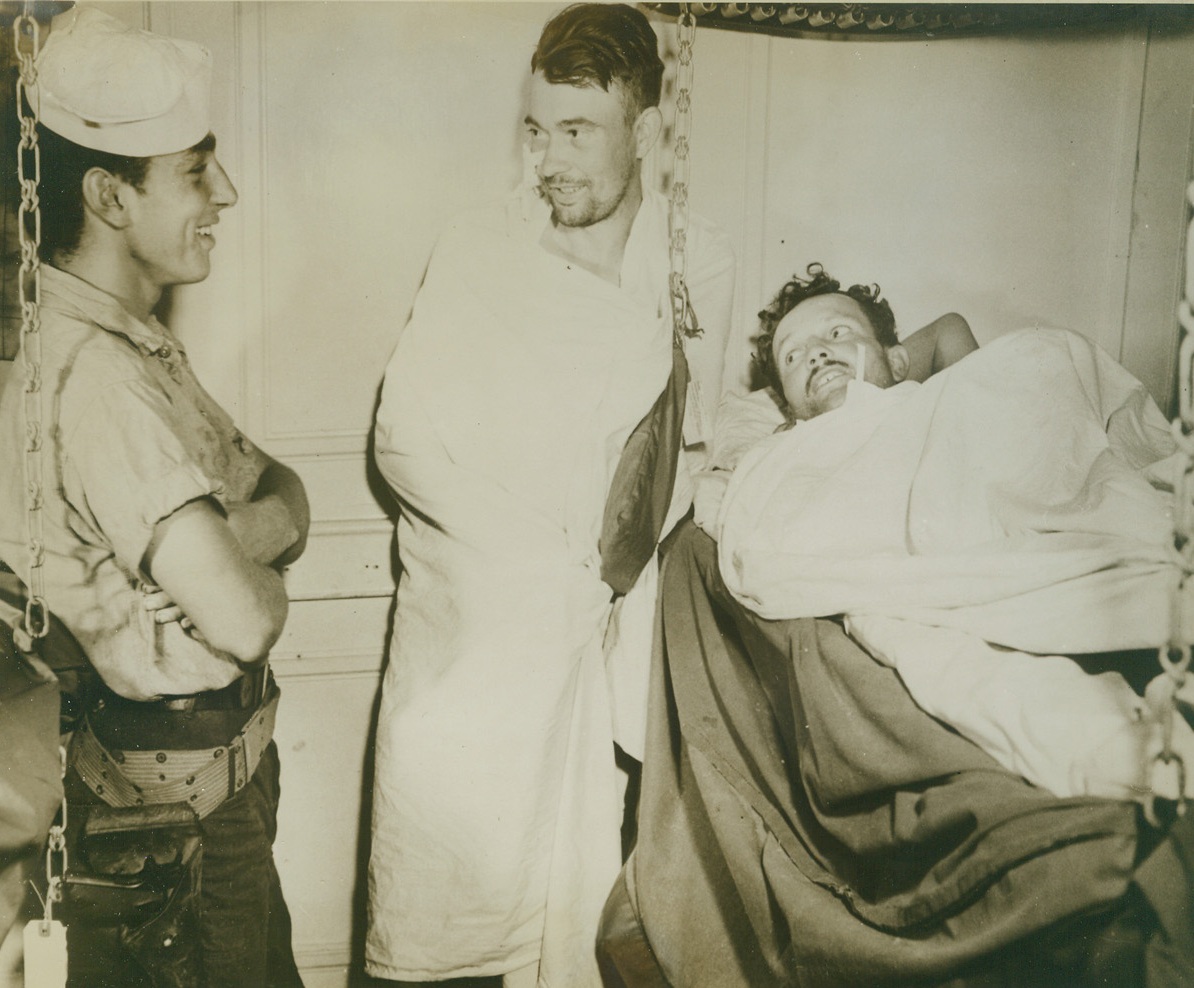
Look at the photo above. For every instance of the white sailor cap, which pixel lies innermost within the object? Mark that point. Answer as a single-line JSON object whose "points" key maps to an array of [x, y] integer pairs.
{"points": [[114, 88]]}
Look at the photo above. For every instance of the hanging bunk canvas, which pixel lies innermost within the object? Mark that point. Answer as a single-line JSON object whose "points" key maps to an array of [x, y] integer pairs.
{"points": [[803, 822]]}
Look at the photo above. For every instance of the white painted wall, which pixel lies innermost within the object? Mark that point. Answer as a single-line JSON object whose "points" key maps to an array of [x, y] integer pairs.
{"points": [[992, 176], [998, 177]]}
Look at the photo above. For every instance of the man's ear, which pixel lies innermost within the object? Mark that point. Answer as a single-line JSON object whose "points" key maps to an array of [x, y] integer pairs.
{"points": [[104, 195], [646, 130], [898, 359]]}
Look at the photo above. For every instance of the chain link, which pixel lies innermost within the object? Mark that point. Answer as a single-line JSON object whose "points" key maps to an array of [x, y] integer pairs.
{"points": [[56, 855], [1169, 770], [684, 320], [26, 41]]}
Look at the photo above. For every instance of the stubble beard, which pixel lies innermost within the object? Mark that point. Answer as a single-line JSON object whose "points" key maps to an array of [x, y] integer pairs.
{"points": [[587, 212], [590, 210]]}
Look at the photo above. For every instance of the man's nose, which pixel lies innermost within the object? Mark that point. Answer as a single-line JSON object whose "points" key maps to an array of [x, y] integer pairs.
{"points": [[553, 162], [223, 192], [818, 353]]}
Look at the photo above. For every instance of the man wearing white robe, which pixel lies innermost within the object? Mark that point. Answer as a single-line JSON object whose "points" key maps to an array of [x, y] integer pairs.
{"points": [[540, 338]]}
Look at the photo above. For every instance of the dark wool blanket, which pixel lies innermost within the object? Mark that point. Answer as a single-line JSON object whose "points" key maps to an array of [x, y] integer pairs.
{"points": [[803, 822]]}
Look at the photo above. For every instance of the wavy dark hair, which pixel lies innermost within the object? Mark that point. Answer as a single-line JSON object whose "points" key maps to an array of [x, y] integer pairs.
{"points": [[817, 281], [63, 165], [598, 44]]}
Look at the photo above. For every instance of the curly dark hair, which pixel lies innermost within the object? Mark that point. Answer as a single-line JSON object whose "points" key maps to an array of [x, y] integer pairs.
{"points": [[817, 282], [598, 44]]}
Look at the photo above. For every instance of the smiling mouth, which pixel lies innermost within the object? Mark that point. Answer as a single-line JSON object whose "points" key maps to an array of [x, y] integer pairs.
{"points": [[826, 374], [565, 190], [205, 233]]}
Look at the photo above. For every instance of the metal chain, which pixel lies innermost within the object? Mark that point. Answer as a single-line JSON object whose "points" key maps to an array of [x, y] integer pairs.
{"points": [[26, 42], [1168, 768], [684, 320], [26, 38], [56, 854]]}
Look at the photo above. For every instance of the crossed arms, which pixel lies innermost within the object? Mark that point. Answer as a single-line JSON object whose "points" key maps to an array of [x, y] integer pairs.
{"points": [[217, 569]]}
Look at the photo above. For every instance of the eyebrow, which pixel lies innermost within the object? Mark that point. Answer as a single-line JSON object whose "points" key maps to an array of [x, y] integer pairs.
{"points": [[189, 160], [839, 320], [568, 124], [787, 347], [785, 344]]}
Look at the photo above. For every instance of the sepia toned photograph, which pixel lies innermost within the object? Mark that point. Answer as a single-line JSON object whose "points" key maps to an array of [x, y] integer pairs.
{"points": [[596, 495]]}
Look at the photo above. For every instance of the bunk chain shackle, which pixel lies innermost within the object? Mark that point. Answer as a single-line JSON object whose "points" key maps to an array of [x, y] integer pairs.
{"points": [[26, 38], [684, 320]]}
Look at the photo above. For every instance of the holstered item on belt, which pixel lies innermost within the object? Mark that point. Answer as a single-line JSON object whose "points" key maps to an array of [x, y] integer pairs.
{"points": [[58, 650], [201, 779], [136, 870]]}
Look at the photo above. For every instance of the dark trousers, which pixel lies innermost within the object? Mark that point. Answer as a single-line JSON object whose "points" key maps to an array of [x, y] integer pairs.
{"points": [[244, 925]]}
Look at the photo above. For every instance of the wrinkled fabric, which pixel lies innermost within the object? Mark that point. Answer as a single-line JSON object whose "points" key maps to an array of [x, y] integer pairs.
{"points": [[742, 421], [505, 407], [132, 436], [804, 823], [1040, 716], [1008, 500], [1005, 497], [640, 493]]}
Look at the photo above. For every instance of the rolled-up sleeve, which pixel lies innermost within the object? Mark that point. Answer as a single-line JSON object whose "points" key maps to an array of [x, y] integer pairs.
{"points": [[128, 464]]}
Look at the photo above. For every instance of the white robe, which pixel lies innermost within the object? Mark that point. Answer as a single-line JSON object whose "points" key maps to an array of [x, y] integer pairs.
{"points": [[504, 410]]}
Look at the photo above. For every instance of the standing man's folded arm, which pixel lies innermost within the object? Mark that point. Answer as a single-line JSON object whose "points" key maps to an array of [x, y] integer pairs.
{"points": [[236, 603], [272, 527]]}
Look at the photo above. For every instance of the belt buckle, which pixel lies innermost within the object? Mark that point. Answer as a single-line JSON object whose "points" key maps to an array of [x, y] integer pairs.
{"points": [[238, 766]]}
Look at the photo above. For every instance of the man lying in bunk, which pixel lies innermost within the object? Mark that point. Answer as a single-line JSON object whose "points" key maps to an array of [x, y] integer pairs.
{"points": [[975, 530], [743, 419]]}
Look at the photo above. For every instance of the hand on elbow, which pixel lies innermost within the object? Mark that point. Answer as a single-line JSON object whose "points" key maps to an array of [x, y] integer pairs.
{"points": [[246, 638]]}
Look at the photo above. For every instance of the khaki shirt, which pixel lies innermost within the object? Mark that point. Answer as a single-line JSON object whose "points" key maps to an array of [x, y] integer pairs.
{"points": [[130, 437]]}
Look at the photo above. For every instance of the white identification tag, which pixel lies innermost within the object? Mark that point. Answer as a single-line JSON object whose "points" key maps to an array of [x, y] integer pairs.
{"points": [[45, 954], [696, 428]]}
